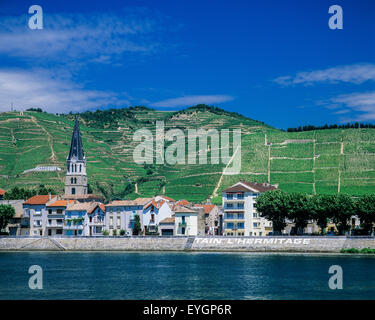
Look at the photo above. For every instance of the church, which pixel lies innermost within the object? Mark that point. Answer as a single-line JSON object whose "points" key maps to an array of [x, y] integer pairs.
{"points": [[76, 186]]}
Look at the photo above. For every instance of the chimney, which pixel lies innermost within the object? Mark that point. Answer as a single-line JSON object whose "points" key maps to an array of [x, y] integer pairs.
{"points": [[49, 195]]}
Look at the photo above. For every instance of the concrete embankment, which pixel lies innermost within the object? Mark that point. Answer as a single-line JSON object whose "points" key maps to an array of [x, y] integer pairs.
{"points": [[225, 244]]}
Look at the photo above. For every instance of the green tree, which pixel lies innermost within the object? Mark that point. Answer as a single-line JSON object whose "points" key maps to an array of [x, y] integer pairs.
{"points": [[273, 205], [321, 210], [17, 193], [343, 209], [137, 225], [365, 208], [300, 210], [6, 213]]}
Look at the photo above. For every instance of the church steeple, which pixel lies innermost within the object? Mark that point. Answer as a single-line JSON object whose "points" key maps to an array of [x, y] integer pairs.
{"points": [[76, 149], [76, 179]]}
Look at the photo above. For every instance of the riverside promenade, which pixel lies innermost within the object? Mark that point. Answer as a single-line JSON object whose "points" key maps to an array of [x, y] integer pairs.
{"points": [[328, 244]]}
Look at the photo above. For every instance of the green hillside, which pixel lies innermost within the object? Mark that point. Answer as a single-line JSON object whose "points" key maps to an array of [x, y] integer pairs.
{"points": [[323, 161]]}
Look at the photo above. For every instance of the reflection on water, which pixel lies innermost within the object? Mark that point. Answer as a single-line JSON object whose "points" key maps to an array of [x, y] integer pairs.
{"points": [[74, 275]]}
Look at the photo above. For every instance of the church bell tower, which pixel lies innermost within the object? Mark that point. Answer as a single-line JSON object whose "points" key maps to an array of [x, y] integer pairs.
{"points": [[76, 178]]}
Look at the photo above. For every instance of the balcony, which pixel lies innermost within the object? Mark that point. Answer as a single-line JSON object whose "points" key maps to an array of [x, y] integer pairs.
{"points": [[54, 225], [73, 227], [235, 200]]}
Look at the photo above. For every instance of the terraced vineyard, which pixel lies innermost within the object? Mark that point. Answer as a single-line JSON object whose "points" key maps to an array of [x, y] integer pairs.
{"points": [[323, 161]]}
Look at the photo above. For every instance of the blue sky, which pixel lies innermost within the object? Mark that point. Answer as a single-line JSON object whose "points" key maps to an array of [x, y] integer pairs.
{"points": [[274, 61]]}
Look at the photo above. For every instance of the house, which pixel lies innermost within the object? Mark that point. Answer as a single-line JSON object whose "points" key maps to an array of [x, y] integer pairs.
{"points": [[183, 202], [35, 209], [2, 193], [165, 198], [95, 220], [166, 226], [211, 213], [120, 214], [240, 215], [186, 221], [153, 213], [18, 224], [84, 219], [56, 216]]}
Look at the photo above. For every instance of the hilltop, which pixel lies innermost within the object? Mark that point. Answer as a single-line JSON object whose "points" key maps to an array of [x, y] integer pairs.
{"points": [[321, 161]]}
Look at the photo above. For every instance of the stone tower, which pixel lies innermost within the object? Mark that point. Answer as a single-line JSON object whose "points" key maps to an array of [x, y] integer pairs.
{"points": [[76, 178]]}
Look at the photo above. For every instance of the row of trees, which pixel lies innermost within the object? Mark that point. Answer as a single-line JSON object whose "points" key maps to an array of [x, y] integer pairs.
{"points": [[355, 125], [278, 206], [20, 193]]}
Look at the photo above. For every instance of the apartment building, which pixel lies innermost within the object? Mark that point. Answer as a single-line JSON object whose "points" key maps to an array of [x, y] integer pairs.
{"points": [[56, 216], [120, 214], [240, 215], [186, 221], [35, 209]]}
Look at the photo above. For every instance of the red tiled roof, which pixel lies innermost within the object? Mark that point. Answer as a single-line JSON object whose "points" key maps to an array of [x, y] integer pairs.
{"points": [[2, 192], [155, 204], [60, 203], [168, 198], [183, 209], [136, 202], [207, 207], [183, 202], [167, 220], [39, 199]]}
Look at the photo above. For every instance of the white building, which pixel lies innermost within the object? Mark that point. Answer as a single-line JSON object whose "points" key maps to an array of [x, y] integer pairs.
{"points": [[120, 215], [153, 213], [186, 221], [35, 209], [56, 216], [240, 215]]}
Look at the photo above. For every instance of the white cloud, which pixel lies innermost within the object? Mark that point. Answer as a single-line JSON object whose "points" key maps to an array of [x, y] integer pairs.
{"points": [[38, 88], [356, 73], [191, 101], [79, 38], [363, 104]]}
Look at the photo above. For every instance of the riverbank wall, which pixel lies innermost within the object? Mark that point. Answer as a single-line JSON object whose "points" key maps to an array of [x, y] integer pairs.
{"points": [[199, 243]]}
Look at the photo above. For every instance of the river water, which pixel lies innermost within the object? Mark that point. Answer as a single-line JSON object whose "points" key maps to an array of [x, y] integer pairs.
{"points": [[163, 275]]}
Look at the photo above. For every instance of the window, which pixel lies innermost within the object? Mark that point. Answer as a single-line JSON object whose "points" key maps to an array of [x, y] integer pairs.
{"points": [[183, 219], [58, 231], [255, 224], [255, 215], [59, 211], [230, 225], [240, 205], [229, 205], [49, 222], [73, 190], [71, 180], [229, 215], [240, 196], [240, 225], [75, 180], [229, 196], [182, 230], [152, 218], [80, 168], [49, 211], [240, 216], [118, 222]]}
